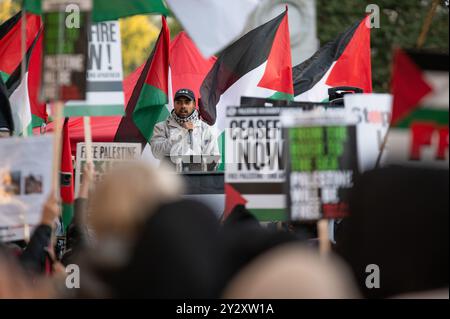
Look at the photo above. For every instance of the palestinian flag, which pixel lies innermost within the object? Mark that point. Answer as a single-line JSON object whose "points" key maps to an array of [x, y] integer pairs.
{"points": [[345, 61], [105, 10], [258, 64], [11, 41], [23, 94], [66, 184], [419, 130], [148, 104]]}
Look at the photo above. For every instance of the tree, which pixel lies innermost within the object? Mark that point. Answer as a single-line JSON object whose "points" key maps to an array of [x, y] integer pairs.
{"points": [[138, 36], [400, 26], [8, 8]]}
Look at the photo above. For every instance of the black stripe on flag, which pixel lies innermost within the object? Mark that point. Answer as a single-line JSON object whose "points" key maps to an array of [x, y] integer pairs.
{"points": [[430, 61], [7, 26], [259, 188], [308, 73], [15, 78], [238, 59]]}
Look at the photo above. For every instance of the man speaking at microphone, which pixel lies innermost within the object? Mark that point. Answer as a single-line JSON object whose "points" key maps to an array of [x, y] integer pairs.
{"points": [[183, 133]]}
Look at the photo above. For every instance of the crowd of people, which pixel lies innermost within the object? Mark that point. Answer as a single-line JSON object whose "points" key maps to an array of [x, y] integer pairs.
{"points": [[133, 235]]}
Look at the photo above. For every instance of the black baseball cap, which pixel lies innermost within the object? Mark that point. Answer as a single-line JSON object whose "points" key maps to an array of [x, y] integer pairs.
{"points": [[185, 93]]}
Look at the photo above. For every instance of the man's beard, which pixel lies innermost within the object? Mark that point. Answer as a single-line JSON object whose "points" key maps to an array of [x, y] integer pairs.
{"points": [[184, 115], [193, 117]]}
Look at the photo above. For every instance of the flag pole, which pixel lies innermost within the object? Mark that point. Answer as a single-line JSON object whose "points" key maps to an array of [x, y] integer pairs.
{"points": [[88, 138], [426, 24], [58, 126], [324, 240], [23, 49], [57, 147], [382, 147]]}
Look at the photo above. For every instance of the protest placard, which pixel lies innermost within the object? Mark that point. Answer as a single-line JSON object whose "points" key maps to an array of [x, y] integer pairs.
{"points": [[65, 49], [322, 164], [373, 112], [104, 156], [255, 162], [25, 183], [104, 91]]}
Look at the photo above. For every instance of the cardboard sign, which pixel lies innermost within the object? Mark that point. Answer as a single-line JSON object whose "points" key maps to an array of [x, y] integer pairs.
{"points": [[104, 156], [255, 163], [322, 165], [25, 182], [373, 112], [104, 92], [65, 49]]}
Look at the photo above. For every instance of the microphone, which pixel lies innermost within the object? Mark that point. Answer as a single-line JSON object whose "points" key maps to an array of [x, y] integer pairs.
{"points": [[190, 137]]}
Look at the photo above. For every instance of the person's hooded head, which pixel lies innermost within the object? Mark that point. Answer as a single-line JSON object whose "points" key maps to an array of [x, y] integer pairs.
{"points": [[292, 271], [123, 200], [397, 231], [240, 243], [174, 255]]}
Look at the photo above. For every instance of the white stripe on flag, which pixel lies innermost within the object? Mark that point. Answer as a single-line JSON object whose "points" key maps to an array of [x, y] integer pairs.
{"points": [[20, 108], [265, 201], [245, 86], [438, 99], [318, 92]]}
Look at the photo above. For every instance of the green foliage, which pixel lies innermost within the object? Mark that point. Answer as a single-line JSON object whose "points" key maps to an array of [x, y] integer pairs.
{"points": [[400, 25]]}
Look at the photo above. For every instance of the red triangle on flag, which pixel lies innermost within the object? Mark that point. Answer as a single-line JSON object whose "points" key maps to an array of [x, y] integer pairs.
{"points": [[232, 198], [408, 86], [278, 73], [353, 67]]}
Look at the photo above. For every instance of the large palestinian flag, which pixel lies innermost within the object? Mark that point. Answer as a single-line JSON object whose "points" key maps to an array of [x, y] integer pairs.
{"points": [[258, 64], [345, 61], [419, 130], [148, 104]]}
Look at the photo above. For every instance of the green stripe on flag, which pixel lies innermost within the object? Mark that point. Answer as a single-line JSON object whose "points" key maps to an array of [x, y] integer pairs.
{"points": [[5, 76], [33, 6], [270, 214], [94, 110], [150, 109], [67, 214], [36, 121], [282, 96], [104, 10], [221, 142], [437, 116]]}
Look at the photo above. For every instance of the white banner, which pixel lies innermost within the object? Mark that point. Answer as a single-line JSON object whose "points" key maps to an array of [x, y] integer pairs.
{"points": [[373, 112], [104, 155], [25, 182], [104, 94]]}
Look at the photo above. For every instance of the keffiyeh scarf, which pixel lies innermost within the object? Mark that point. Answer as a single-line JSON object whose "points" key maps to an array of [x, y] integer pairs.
{"points": [[181, 120]]}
